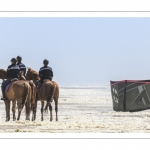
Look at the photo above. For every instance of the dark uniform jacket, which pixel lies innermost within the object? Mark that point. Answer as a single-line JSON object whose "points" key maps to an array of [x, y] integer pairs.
{"points": [[13, 71], [22, 67], [46, 73]]}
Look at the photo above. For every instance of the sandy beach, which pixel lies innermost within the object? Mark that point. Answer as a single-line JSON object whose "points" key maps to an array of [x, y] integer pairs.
{"points": [[81, 110]]}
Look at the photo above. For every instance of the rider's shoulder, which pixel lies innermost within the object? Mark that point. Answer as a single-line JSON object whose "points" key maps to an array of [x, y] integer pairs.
{"points": [[13, 66], [49, 67], [9, 66], [20, 64], [41, 68], [23, 64]]}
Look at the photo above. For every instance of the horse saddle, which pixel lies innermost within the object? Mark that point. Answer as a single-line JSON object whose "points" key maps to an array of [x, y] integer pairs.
{"points": [[14, 79], [8, 86]]}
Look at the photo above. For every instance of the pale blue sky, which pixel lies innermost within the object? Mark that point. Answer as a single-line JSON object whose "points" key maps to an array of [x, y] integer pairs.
{"points": [[81, 51]]}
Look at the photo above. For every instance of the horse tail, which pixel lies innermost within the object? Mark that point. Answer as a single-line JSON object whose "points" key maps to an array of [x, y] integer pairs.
{"points": [[50, 96], [33, 95], [56, 93], [25, 98], [51, 92]]}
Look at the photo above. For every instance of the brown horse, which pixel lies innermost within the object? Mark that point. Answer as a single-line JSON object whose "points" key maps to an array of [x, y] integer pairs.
{"points": [[42, 94], [33, 95], [19, 91]]}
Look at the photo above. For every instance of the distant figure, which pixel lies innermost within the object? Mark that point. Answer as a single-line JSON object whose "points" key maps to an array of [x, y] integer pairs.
{"points": [[45, 72], [21, 65], [12, 72]]}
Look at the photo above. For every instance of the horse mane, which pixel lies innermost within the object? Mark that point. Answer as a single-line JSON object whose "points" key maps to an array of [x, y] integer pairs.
{"points": [[21, 75], [3, 70], [34, 73]]}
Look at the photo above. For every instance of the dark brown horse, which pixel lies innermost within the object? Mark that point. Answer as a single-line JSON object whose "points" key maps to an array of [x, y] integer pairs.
{"points": [[19, 91], [43, 92]]}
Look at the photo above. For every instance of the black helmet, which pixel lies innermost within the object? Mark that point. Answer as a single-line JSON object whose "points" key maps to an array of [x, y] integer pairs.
{"points": [[13, 60], [19, 58], [45, 62]]}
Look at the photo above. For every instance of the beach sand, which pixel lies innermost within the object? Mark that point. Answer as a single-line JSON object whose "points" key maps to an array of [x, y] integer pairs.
{"points": [[81, 110]]}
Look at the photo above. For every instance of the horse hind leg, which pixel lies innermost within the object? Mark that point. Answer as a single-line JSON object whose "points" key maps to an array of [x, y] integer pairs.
{"points": [[55, 97], [42, 110], [7, 108], [28, 106], [49, 100], [34, 111], [50, 108], [56, 108], [27, 111], [33, 100], [19, 110], [14, 110]]}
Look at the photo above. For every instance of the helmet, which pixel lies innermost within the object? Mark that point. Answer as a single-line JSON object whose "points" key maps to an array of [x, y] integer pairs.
{"points": [[13, 60], [19, 58], [45, 62]]}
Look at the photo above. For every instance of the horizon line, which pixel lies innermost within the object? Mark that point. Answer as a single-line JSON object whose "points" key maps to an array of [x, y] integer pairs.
{"points": [[75, 11]]}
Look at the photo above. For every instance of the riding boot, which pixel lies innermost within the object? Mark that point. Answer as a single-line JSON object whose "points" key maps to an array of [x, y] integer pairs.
{"points": [[3, 93]]}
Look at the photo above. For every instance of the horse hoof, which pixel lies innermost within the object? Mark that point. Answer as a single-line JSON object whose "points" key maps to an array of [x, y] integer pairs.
{"points": [[28, 118], [7, 120]]}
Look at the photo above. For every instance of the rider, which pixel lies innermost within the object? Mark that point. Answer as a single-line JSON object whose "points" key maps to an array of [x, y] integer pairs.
{"points": [[45, 72], [12, 72], [21, 65]]}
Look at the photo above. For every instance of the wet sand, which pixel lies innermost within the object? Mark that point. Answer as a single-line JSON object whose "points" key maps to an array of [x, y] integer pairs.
{"points": [[81, 110]]}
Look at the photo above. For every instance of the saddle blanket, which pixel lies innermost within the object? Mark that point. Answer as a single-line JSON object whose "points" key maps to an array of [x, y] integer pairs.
{"points": [[8, 86]]}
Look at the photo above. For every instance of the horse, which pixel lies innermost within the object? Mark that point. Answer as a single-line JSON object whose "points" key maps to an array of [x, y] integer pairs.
{"points": [[42, 95], [33, 95], [19, 91]]}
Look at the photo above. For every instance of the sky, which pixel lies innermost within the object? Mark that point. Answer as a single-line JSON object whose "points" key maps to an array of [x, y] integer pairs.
{"points": [[81, 51]]}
